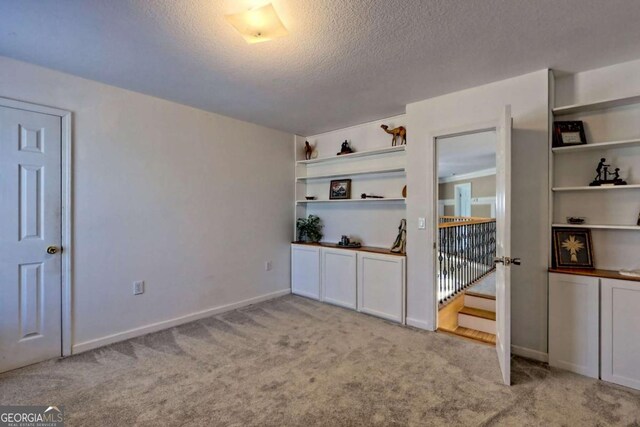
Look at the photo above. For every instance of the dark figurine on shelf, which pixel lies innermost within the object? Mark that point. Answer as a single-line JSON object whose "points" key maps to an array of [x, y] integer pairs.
{"points": [[370, 196], [345, 149], [602, 167], [616, 177], [308, 150], [638, 223], [346, 242], [604, 177], [400, 245]]}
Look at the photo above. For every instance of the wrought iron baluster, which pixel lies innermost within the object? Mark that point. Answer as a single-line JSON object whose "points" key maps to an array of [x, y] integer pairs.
{"points": [[465, 253]]}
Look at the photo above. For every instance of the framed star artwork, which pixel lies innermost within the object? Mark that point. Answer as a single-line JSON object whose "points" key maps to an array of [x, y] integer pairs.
{"points": [[572, 248]]}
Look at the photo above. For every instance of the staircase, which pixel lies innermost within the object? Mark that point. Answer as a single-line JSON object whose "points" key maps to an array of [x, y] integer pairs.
{"points": [[470, 315]]}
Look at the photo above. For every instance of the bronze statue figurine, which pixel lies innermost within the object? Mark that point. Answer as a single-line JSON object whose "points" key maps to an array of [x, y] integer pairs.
{"points": [[308, 150], [345, 149]]}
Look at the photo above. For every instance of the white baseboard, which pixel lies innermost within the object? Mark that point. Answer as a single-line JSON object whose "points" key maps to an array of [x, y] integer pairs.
{"points": [[421, 324], [530, 353], [165, 324]]}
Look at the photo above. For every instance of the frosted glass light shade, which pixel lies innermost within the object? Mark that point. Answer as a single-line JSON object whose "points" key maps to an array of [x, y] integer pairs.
{"points": [[258, 25]]}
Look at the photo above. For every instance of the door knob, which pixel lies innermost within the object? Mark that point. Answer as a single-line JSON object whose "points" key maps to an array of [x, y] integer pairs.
{"points": [[52, 250], [506, 260]]}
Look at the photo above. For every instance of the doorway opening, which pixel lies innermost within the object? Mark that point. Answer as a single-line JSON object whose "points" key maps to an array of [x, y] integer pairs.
{"points": [[466, 234]]}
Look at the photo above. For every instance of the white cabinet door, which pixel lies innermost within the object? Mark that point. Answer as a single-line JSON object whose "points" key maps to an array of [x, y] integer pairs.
{"points": [[573, 323], [381, 285], [339, 277], [620, 323], [305, 271]]}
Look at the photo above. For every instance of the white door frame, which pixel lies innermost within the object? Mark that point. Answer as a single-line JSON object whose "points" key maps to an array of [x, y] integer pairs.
{"points": [[66, 205], [493, 125]]}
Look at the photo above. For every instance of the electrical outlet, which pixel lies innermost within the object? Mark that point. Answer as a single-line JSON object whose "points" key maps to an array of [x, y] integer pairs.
{"points": [[268, 266], [138, 287]]}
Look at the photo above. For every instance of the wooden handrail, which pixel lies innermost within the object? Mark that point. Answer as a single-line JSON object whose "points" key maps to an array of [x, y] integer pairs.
{"points": [[465, 222]]}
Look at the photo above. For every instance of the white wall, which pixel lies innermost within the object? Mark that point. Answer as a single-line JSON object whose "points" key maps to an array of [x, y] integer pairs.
{"points": [[615, 81], [191, 202], [528, 96], [375, 223]]}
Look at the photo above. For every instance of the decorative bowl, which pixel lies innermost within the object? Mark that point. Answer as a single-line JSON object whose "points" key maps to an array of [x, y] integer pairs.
{"points": [[576, 220]]}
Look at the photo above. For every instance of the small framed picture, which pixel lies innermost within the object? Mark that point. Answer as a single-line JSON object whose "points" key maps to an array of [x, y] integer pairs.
{"points": [[568, 133], [340, 189], [572, 247]]}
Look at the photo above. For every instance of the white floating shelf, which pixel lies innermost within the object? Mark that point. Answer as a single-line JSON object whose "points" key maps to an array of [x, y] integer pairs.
{"points": [[354, 155], [594, 106], [597, 146], [386, 199], [599, 226], [336, 174], [601, 188]]}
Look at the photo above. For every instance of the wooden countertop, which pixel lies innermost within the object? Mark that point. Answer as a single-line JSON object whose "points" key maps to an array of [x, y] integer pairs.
{"points": [[594, 272], [372, 249]]}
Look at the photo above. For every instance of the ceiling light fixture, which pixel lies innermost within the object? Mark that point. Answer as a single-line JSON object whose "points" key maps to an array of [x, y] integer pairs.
{"points": [[259, 24]]}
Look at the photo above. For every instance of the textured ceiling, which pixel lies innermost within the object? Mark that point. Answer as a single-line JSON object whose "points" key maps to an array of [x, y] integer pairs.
{"points": [[343, 62], [468, 153]]}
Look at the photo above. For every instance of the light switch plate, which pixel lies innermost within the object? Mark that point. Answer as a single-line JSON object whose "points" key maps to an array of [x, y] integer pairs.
{"points": [[138, 287], [422, 223]]}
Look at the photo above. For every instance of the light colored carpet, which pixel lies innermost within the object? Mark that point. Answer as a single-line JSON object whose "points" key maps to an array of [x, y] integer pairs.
{"points": [[296, 362], [485, 286]]}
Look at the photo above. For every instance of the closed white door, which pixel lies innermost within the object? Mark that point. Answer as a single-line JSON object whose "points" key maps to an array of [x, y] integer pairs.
{"points": [[462, 205], [503, 246], [30, 227]]}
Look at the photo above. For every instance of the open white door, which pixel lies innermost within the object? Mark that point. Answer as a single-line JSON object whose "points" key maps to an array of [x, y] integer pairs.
{"points": [[503, 246]]}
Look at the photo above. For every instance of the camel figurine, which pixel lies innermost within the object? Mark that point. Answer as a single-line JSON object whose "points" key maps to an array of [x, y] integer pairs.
{"points": [[397, 132]]}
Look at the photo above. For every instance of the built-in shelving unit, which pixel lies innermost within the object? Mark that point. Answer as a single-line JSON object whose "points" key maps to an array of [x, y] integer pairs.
{"points": [[378, 171], [596, 307], [375, 168], [608, 209]]}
